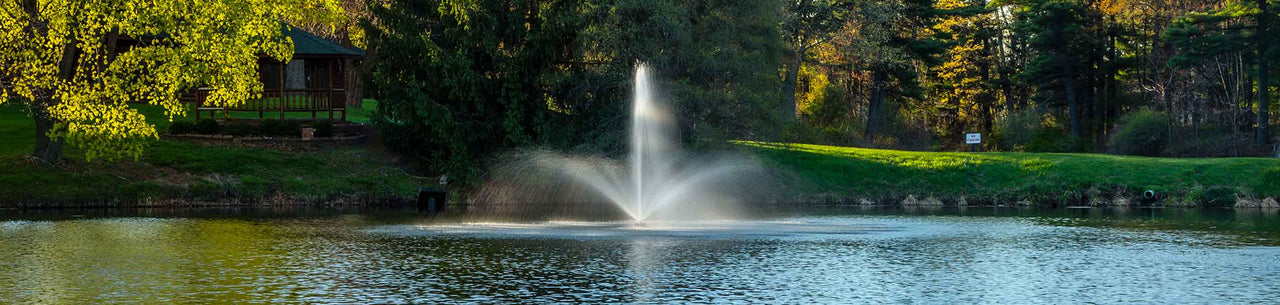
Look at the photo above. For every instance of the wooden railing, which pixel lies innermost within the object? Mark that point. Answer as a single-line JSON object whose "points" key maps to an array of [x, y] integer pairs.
{"points": [[282, 101]]}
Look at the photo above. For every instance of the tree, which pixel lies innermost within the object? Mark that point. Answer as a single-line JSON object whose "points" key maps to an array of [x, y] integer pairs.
{"points": [[1265, 20], [806, 24], [459, 82], [67, 62], [1235, 26], [894, 43], [512, 74], [1053, 31], [963, 85]]}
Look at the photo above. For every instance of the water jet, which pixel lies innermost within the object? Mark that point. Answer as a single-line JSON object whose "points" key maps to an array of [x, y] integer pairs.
{"points": [[655, 179]]}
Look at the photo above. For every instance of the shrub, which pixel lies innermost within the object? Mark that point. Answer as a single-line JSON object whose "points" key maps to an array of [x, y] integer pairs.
{"points": [[843, 134], [270, 127], [799, 132], [840, 133], [1195, 195], [182, 127], [1053, 139], [1143, 133], [208, 126], [324, 128], [290, 128], [240, 129], [1016, 131], [1216, 196], [828, 107]]}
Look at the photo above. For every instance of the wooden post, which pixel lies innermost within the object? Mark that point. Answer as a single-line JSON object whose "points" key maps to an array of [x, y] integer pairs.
{"points": [[330, 73], [280, 99]]}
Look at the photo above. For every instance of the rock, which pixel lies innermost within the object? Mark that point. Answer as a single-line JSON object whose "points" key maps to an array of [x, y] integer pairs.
{"points": [[912, 201], [1269, 202]]}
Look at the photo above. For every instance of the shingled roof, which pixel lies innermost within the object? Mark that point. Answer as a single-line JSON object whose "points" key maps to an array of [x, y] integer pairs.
{"points": [[305, 43]]}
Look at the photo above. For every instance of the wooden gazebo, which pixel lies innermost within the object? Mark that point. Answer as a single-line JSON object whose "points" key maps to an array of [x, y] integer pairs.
{"points": [[315, 81]]}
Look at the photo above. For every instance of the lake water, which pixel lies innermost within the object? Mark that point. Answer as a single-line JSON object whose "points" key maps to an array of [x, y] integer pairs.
{"points": [[974, 255]]}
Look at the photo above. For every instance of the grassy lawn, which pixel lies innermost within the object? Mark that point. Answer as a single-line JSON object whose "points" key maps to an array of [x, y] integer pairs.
{"points": [[194, 172], [1036, 177]]}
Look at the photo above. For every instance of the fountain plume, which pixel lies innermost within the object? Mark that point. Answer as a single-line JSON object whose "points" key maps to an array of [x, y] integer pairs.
{"points": [[655, 180]]}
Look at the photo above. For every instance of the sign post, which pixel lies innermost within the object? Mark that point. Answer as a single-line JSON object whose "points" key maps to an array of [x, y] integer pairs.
{"points": [[973, 139]]}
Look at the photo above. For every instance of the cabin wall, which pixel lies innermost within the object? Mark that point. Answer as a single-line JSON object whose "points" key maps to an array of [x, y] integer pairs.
{"points": [[295, 75]]}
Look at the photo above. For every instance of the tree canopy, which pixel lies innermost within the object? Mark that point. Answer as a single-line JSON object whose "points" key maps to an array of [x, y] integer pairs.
{"points": [[557, 73], [77, 64]]}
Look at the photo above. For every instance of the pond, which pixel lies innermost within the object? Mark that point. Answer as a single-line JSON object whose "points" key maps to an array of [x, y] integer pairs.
{"points": [[837, 255]]}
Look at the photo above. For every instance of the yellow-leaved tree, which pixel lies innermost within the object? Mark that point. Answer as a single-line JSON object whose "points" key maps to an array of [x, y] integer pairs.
{"points": [[78, 63]]}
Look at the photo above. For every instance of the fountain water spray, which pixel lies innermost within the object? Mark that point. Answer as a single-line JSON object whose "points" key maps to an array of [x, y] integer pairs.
{"points": [[648, 141], [656, 178]]}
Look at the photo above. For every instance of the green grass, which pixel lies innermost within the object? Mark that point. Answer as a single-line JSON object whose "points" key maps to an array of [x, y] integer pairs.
{"points": [[17, 131], [1013, 176], [187, 171]]}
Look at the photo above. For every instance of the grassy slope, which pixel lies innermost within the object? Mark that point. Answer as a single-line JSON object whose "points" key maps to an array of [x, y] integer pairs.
{"points": [[190, 171], [1003, 177]]}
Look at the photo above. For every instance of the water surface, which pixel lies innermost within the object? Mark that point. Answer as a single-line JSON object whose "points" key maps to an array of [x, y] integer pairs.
{"points": [[831, 256]]}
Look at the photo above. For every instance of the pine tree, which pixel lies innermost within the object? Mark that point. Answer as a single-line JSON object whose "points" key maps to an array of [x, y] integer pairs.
{"points": [[1235, 26]]}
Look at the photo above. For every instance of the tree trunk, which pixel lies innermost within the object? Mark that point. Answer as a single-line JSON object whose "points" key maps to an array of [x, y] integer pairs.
{"points": [[987, 98], [1264, 23], [988, 116], [1069, 82], [352, 85], [363, 68], [1112, 85], [789, 88], [1006, 87], [47, 148], [876, 103]]}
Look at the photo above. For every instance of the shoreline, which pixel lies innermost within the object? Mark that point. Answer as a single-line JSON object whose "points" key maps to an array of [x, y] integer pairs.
{"points": [[398, 202], [274, 201], [977, 201]]}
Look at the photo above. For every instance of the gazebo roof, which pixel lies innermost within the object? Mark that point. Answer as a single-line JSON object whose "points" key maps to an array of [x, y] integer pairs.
{"points": [[305, 43]]}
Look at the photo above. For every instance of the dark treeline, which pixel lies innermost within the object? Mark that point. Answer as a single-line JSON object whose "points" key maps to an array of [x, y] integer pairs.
{"points": [[1153, 77], [462, 79]]}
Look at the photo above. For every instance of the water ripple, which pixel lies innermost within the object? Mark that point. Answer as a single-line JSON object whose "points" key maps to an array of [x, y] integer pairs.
{"points": [[840, 259]]}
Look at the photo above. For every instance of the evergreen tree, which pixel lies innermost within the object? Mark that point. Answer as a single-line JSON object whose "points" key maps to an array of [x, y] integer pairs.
{"points": [[1053, 30], [463, 80], [895, 41], [1235, 26]]}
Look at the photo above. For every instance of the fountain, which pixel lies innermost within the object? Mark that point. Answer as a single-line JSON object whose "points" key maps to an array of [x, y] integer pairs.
{"points": [[656, 179]]}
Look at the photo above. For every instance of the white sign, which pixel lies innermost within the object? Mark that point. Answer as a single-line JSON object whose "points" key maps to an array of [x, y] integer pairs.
{"points": [[973, 138]]}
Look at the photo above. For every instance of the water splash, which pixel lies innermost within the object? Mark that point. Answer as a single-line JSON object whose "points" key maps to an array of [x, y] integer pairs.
{"points": [[649, 143], [655, 179]]}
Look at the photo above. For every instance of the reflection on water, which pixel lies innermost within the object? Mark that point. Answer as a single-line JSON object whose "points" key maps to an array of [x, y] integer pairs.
{"points": [[827, 256]]}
